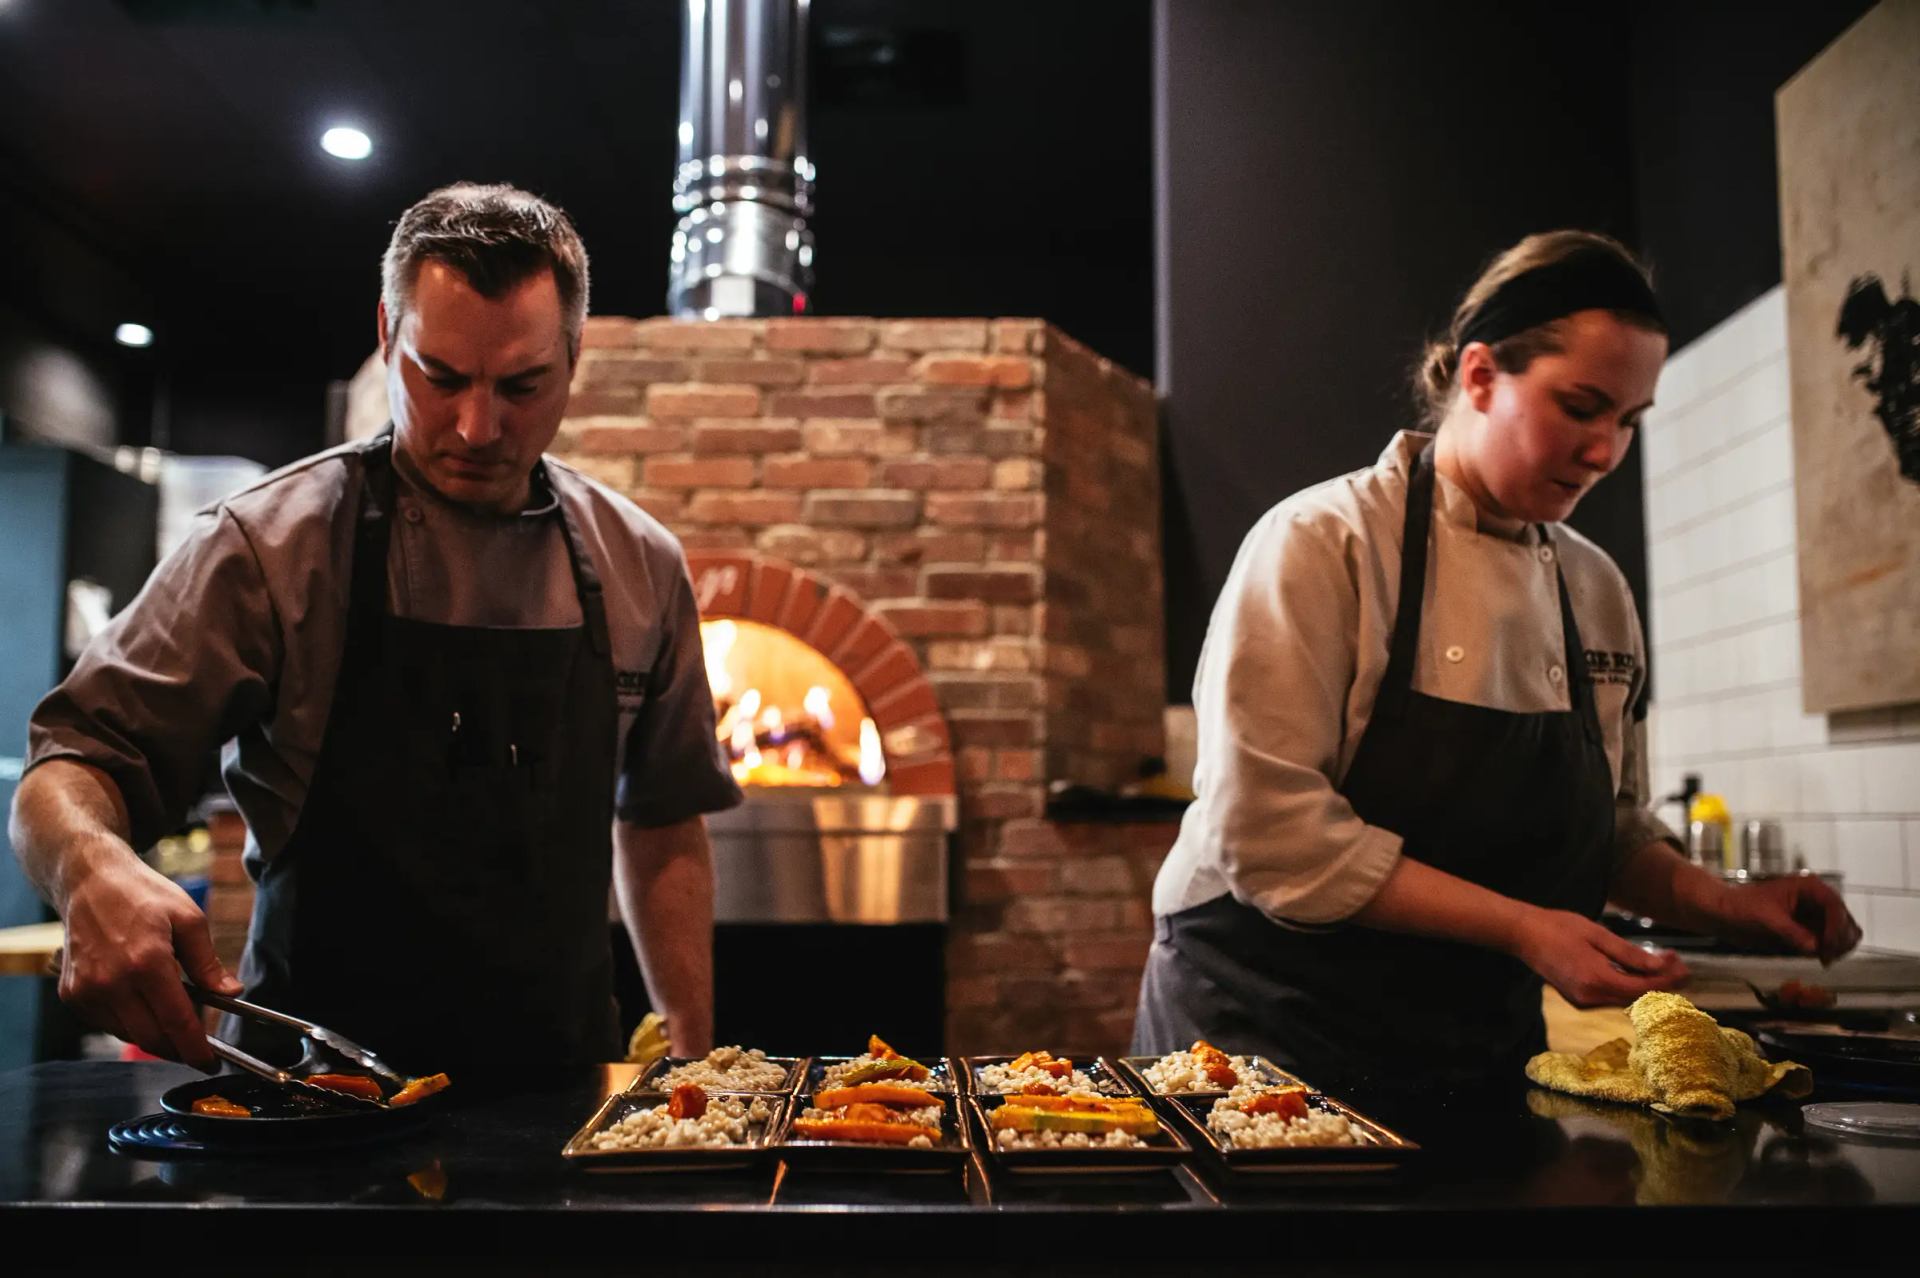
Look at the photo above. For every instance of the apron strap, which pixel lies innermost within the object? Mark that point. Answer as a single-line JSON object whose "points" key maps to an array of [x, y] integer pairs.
{"points": [[1397, 682], [586, 579]]}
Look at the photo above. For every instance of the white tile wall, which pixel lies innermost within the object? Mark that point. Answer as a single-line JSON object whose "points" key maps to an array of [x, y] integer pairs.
{"points": [[1724, 629]]}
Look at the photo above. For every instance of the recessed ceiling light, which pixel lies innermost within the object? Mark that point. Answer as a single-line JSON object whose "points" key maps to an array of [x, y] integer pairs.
{"points": [[133, 335], [346, 143]]}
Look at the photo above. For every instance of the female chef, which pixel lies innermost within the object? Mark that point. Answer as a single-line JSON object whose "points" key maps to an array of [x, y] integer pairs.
{"points": [[1420, 770]]}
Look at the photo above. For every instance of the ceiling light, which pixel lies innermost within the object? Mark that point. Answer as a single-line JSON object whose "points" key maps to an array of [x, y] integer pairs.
{"points": [[346, 143], [133, 335]]}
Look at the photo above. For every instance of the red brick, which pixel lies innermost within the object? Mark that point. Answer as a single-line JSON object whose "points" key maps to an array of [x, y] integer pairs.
{"points": [[818, 472], [803, 601], [1038, 840], [984, 510], [700, 472], [767, 596], [698, 399], [753, 372], [1003, 881], [624, 401], [615, 471], [997, 585], [859, 437], [976, 765], [934, 335], [609, 332], [1060, 916], [664, 334], [995, 729], [874, 583], [1016, 765], [1016, 473], [810, 546], [762, 435], [950, 473], [911, 700], [595, 436], [823, 336], [1101, 876], [822, 403], [1124, 952], [854, 509], [859, 372], [993, 952], [721, 538], [921, 620], [720, 583], [1007, 372], [612, 371], [940, 545], [924, 738], [746, 507], [665, 507], [929, 777], [861, 644], [961, 407], [981, 992], [835, 618], [891, 668], [1009, 441], [1005, 802], [995, 654], [1017, 336]]}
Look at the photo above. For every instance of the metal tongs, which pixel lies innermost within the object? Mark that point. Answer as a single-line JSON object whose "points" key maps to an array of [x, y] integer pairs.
{"points": [[317, 1040]]}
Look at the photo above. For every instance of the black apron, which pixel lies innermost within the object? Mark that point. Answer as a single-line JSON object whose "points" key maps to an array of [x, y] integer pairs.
{"points": [[443, 897], [1518, 803]]}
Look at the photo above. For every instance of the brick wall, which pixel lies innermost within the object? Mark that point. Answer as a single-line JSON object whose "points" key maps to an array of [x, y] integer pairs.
{"points": [[986, 492], [1725, 633]]}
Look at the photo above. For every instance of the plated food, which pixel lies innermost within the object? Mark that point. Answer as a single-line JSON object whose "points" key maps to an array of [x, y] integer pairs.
{"points": [[1277, 1118], [1078, 1120], [279, 1102], [726, 1069], [880, 1063], [1034, 1074], [689, 1118], [875, 1113], [1804, 996]]}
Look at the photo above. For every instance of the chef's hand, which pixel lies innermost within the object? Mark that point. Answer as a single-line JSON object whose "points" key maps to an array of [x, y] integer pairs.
{"points": [[130, 933], [1799, 913], [1589, 965]]}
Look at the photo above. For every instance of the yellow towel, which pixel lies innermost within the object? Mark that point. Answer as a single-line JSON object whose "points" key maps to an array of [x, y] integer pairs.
{"points": [[1682, 1062]]}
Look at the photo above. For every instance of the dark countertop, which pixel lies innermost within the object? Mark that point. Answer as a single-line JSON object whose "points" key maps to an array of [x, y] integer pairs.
{"points": [[485, 1179]]}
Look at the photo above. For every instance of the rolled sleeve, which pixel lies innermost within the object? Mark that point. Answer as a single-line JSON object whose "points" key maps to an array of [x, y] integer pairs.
{"points": [[1274, 687], [673, 767], [179, 672]]}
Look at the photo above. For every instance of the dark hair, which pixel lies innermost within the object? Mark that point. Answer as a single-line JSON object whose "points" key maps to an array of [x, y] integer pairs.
{"points": [[497, 236], [1433, 380]]}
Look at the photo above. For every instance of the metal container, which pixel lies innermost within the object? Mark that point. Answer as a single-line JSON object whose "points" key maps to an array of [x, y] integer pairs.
{"points": [[1763, 847], [829, 856], [1706, 845]]}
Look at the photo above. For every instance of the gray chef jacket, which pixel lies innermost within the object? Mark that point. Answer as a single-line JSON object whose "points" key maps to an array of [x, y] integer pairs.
{"points": [[237, 636]]}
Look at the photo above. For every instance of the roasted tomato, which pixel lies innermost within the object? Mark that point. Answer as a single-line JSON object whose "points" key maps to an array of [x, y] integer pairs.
{"points": [[1290, 1102], [688, 1101]]}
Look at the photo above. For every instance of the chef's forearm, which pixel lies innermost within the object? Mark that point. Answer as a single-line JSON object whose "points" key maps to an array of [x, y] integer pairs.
{"points": [[68, 819], [1660, 883], [663, 877], [1422, 901]]}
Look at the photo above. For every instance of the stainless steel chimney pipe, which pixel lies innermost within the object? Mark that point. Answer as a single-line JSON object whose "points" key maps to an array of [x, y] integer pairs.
{"points": [[744, 185]]}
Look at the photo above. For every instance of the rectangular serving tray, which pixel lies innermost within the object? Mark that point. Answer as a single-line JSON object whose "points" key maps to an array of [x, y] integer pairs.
{"points": [[579, 1151]]}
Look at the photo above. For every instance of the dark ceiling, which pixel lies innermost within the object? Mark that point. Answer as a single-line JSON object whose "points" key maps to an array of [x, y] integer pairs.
{"points": [[160, 156]]}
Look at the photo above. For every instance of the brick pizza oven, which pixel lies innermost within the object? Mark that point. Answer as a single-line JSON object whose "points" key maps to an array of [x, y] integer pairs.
{"points": [[961, 516]]}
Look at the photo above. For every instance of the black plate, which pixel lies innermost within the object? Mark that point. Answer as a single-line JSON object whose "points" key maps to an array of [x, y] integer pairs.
{"points": [[939, 1067], [951, 1154], [1106, 1081], [1887, 1060], [283, 1122], [1165, 1148]]}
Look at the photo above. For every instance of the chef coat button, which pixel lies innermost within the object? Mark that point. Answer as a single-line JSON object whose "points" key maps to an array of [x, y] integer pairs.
{"points": [[1546, 554], [1555, 674], [413, 515], [1456, 653]]}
